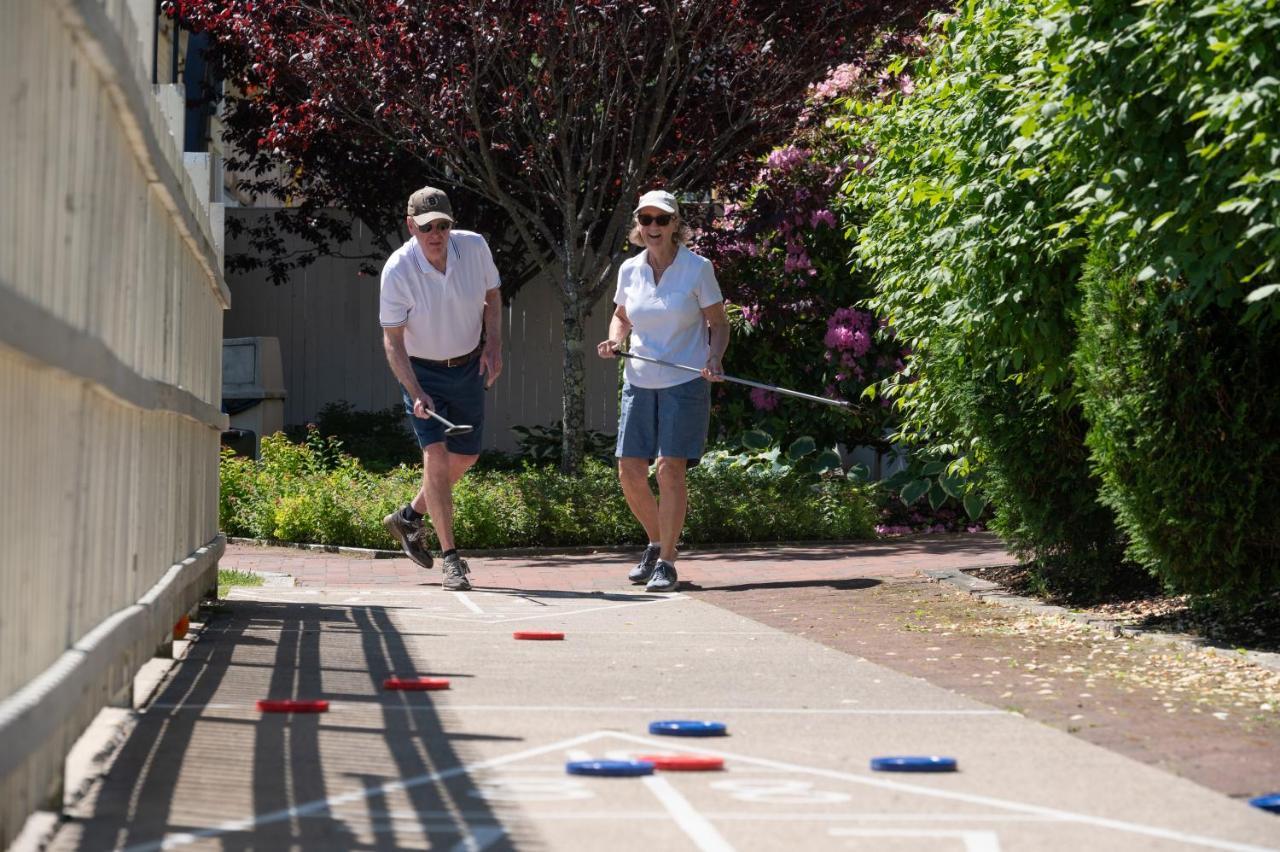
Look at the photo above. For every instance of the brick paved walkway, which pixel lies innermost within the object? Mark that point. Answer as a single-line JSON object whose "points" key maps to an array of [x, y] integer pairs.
{"points": [[708, 569]]}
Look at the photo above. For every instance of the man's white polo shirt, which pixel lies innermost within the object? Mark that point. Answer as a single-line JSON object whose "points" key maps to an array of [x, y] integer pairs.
{"points": [[442, 314]]}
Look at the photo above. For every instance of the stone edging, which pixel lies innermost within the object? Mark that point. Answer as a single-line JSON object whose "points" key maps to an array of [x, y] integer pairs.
{"points": [[376, 553], [990, 592]]}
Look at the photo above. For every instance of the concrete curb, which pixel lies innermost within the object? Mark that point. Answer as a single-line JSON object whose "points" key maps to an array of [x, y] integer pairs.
{"points": [[994, 593]]}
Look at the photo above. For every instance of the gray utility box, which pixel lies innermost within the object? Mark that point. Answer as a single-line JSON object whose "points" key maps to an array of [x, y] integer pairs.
{"points": [[253, 386]]}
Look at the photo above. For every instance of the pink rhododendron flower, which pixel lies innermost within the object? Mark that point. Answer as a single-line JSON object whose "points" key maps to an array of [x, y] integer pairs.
{"points": [[763, 400], [839, 337], [822, 217]]}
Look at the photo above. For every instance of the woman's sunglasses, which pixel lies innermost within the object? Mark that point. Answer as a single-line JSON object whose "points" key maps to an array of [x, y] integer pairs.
{"points": [[440, 225], [663, 220]]}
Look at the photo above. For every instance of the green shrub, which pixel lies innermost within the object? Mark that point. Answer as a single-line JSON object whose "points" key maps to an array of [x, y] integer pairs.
{"points": [[1045, 494], [1184, 413], [981, 287], [381, 440], [312, 493]]}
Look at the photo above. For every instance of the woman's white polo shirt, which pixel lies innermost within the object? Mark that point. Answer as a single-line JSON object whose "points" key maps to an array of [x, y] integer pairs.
{"points": [[666, 318]]}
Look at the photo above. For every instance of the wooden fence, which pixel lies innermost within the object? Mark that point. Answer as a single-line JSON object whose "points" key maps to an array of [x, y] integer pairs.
{"points": [[326, 319], [111, 301]]}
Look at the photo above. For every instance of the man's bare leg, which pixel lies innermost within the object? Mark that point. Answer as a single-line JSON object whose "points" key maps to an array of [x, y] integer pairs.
{"points": [[441, 470]]}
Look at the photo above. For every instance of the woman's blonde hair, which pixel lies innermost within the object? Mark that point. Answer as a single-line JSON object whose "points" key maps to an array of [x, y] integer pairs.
{"points": [[679, 236]]}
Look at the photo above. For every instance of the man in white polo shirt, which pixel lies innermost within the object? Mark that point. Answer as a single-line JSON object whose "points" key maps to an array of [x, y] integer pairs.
{"points": [[442, 330]]}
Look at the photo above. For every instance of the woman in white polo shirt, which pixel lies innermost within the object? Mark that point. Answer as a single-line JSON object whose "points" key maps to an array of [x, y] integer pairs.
{"points": [[669, 303]]}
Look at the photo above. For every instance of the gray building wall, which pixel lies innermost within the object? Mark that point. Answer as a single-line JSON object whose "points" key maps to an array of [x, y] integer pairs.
{"points": [[326, 319]]}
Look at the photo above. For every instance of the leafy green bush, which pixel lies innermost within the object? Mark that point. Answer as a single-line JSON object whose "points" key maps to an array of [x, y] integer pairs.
{"points": [[544, 444], [1168, 114], [1046, 495], [980, 287], [379, 439], [311, 492], [1183, 409], [1033, 131]]}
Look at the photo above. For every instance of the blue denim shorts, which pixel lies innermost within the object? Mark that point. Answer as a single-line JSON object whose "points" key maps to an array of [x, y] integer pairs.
{"points": [[458, 393], [664, 422]]}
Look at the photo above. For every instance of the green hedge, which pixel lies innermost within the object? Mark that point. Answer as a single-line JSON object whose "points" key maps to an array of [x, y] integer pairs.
{"points": [[312, 493], [1034, 132], [1183, 411]]}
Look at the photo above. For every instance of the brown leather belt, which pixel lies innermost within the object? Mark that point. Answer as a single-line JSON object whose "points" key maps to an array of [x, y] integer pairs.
{"points": [[450, 362]]}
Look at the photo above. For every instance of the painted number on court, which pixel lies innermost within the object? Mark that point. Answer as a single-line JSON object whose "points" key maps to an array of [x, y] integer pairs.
{"points": [[778, 791]]}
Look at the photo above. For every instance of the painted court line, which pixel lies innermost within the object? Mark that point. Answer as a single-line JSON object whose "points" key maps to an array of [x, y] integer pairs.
{"points": [[974, 841], [468, 603], [317, 806], [441, 706], [480, 817], [974, 799], [364, 793], [700, 830]]}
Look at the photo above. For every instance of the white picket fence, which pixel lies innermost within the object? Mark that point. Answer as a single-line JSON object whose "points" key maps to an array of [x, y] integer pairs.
{"points": [[111, 302]]}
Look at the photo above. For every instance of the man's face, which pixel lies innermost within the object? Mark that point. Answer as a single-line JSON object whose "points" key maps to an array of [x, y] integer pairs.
{"points": [[432, 236]]}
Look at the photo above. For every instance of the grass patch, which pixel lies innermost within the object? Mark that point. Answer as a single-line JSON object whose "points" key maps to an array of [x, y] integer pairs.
{"points": [[228, 578]]}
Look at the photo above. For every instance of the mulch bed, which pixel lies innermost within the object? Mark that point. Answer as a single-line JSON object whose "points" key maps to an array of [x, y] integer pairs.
{"points": [[1255, 629]]}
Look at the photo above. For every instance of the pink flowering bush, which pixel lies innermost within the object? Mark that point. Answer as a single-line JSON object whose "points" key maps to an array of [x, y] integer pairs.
{"points": [[781, 256]]}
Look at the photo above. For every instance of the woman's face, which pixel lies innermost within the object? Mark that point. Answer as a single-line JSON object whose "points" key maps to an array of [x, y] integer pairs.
{"points": [[652, 229]]}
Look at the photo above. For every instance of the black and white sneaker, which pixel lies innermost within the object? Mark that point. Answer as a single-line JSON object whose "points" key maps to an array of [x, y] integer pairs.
{"points": [[412, 537], [455, 574], [644, 570], [664, 577]]}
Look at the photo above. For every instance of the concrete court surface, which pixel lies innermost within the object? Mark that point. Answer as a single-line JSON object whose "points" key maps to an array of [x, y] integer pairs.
{"points": [[481, 766]]}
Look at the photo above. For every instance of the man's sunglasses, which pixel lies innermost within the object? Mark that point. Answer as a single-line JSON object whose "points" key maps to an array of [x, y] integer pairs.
{"points": [[440, 225], [663, 220]]}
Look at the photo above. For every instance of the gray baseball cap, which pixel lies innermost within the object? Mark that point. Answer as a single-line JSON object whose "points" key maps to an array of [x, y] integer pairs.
{"points": [[429, 204]]}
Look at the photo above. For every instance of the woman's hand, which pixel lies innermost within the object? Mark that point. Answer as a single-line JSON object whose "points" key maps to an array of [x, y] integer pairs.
{"points": [[608, 348], [714, 371]]}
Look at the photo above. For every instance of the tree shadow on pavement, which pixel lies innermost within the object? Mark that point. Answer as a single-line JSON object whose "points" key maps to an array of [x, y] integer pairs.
{"points": [[202, 761]]}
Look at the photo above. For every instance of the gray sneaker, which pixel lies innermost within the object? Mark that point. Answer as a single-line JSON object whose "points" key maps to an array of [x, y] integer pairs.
{"points": [[412, 537], [664, 578], [455, 574], [644, 570]]}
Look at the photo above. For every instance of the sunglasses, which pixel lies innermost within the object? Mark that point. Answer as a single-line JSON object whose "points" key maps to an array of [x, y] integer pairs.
{"points": [[440, 225], [662, 220]]}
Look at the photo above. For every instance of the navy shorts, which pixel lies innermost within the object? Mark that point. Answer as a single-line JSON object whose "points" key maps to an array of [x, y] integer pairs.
{"points": [[665, 422], [458, 394]]}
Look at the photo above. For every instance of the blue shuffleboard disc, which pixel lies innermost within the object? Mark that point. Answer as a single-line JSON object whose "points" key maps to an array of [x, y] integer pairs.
{"points": [[688, 728], [611, 768], [931, 763], [1269, 802]]}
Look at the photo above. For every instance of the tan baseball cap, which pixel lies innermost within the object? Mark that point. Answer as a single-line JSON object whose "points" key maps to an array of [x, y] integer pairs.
{"points": [[429, 204], [659, 198]]}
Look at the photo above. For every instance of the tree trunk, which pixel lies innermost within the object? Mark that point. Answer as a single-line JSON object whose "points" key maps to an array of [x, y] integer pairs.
{"points": [[575, 314]]}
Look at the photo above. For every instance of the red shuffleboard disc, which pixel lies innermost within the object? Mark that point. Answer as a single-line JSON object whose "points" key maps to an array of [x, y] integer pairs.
{"points": [[683, 762], [284, 705], [415, 684], [543, 635]]}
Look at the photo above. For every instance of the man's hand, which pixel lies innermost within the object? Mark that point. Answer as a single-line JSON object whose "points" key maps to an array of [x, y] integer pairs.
{"points": [[608, 348], [491, 363], [422, 404], [714, 371]]}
